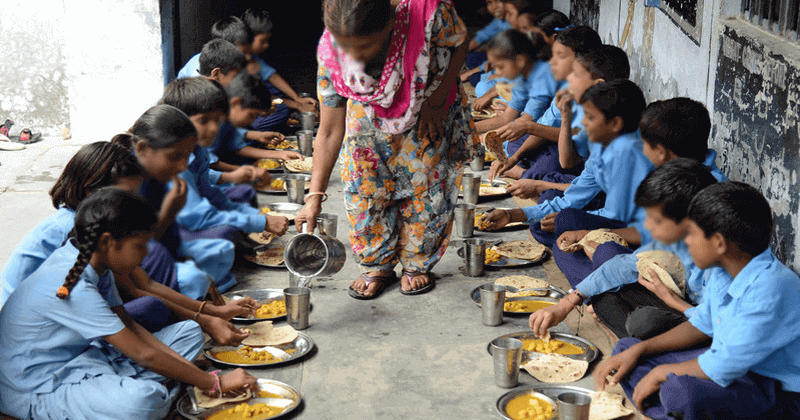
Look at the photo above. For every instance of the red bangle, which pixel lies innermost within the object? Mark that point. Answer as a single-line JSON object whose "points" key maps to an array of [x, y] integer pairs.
{"points": [[216, 382]]}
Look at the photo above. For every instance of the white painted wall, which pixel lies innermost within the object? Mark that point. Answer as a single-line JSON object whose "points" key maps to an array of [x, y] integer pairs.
{"points": [[92, 67]]}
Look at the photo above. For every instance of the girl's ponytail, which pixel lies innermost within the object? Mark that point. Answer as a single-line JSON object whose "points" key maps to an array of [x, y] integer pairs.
{"points": [[111, 210]]}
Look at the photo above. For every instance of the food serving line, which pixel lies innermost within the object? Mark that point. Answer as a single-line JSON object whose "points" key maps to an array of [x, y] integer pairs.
{"points": [[394, 357]]}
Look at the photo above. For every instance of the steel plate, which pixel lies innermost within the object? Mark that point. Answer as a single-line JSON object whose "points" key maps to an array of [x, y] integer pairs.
{"points": [[590, 349], [188, 408], [551, 392], [301, 346], [261, 296]]}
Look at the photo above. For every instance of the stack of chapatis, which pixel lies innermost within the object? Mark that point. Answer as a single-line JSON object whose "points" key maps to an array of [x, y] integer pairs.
{"points": [[600, 236], [666, 265]]}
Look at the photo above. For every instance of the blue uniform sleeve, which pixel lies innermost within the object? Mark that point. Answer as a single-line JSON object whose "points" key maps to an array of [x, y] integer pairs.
{"points": [[582, 190], [87, 311], [613, 274], [213, 176], [199, 213], [489, 31], [542, 90], [265, 71], [624, 172], [519, 97], [755, 326], [191, 68], [552, 116]]}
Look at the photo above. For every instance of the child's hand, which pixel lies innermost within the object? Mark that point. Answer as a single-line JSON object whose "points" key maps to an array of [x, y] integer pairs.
{"points": [[570, 237], [308, 105], [658, 287], [511, 131], [500, 168], [549, 223], [618, 366], [527, 188], [253, 67], [564, 100], [175, 198], [263, 177], [276, 225], [649, 385], [499, 106], [287, 155], [239, 379], [243, 174], [223, 332], [497, 219], [241, 307], [545, 318], [482, 103], [267, 137]]}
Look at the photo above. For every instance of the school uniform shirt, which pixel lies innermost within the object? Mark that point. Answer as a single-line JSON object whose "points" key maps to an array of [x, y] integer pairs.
{"points": [[206, 204], [754, 322], [42, 334], [617, 170], [711, 164], [621, 270], [486, 83], [229, 140], [489, 31], [34, 249], [191, 68], [535, 91]]}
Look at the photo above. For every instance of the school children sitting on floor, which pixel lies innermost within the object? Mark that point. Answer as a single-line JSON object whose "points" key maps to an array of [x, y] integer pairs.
{"points": [[208, 213], [70, 350], [673, 128], [514, 57], [525, 136], [616, 167], [260, 24], [748, 324], [643, 309], [249, 98], [476, 58]]}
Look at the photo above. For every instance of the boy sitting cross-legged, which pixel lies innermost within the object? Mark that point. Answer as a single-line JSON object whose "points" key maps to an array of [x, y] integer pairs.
{"points": [[643, 309], [670, 129], [749, 316], [616, 167]]}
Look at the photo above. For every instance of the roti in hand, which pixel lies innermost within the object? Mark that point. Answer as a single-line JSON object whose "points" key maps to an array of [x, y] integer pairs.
{"points": [[263, 238], [556, 368], [666, 265], [600, 236], [204, 401], [264, 334], [270, 257], [504, 90], [494, 144], [607, 406], [523, 250]]}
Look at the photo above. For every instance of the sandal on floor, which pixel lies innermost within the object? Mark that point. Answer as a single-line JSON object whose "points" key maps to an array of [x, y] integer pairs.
{"points": [[28, 137], [424, 289], [355, 294], [5, 128]]}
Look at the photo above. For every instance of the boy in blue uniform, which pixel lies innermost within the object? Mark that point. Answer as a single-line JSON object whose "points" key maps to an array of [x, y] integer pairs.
{"points": [[639, 309], [749, 316], [476, 59], [221, 61], [231, 29], [670, 129], [258, 21], [616, 167]]}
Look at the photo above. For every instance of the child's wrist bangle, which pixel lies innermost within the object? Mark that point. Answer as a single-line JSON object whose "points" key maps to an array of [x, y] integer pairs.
{"points": [[217, 386], [322, 194], [200, 311]]}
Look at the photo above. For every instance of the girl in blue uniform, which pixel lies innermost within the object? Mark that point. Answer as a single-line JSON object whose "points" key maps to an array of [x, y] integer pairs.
{"points": [[70, 350], [162, 139]]}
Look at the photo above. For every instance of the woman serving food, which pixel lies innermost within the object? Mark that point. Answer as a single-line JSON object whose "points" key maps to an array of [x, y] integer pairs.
{"points": [[387, 79]]}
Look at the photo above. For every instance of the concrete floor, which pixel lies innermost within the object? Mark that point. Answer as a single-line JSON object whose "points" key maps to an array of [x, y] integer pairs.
{"points": [[395, 357]]}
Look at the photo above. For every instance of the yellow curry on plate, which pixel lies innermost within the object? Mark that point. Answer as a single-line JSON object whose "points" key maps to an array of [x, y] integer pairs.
{"points": [[554, 346], [272, 309], [528, 407], [258, 411], [526, 305]]}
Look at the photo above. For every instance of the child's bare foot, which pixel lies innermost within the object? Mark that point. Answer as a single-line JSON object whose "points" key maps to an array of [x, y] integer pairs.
{"points": [[590, 310]]}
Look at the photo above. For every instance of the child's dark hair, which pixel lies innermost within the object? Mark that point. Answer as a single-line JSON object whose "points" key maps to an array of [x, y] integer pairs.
{"points": [[606, 62], [96, 165], [618, 98], [511, 43], [672, 187], [251, 90], [257, 20], [357, 17], [233, 30], [111, 210], [196, 95], [159, 127], [539, 6], [221, 54], [738, 212], [680, 125], [579, 38], [548, 22]]}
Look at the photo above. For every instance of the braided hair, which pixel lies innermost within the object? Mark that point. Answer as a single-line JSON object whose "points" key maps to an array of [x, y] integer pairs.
{"points": [[96, 165], [111, 210]]}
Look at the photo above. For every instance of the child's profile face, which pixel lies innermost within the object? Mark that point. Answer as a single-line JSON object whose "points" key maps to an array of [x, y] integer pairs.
{"points": [[700, 247], [207, 126], [246, 49], [164, 164], [496, 8], [580, 79], [260, 42], [656, 154], [561, 61], [525, 23], [512, 15], [598, 128], [505, 67], [241, 116], [663, 228], [126, 254], [225, 79]]}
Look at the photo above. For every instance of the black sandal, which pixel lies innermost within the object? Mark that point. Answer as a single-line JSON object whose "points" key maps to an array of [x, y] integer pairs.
{"points": [[355, 294], [424, 289]]}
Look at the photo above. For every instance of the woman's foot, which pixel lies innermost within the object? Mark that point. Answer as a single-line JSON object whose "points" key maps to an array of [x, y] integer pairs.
{"points": [[376, 280], [415, 282]]}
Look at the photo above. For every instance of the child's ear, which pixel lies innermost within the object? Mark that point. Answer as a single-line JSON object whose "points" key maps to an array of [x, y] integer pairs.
{"points": [[617, 124], [105, 242], [236, 101], [598, 81], [216, 73], [719, 245], [139, 147], [520, 60]]}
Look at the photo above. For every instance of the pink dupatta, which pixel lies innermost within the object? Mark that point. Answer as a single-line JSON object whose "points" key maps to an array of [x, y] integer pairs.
{"points": [[393, 102]]}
